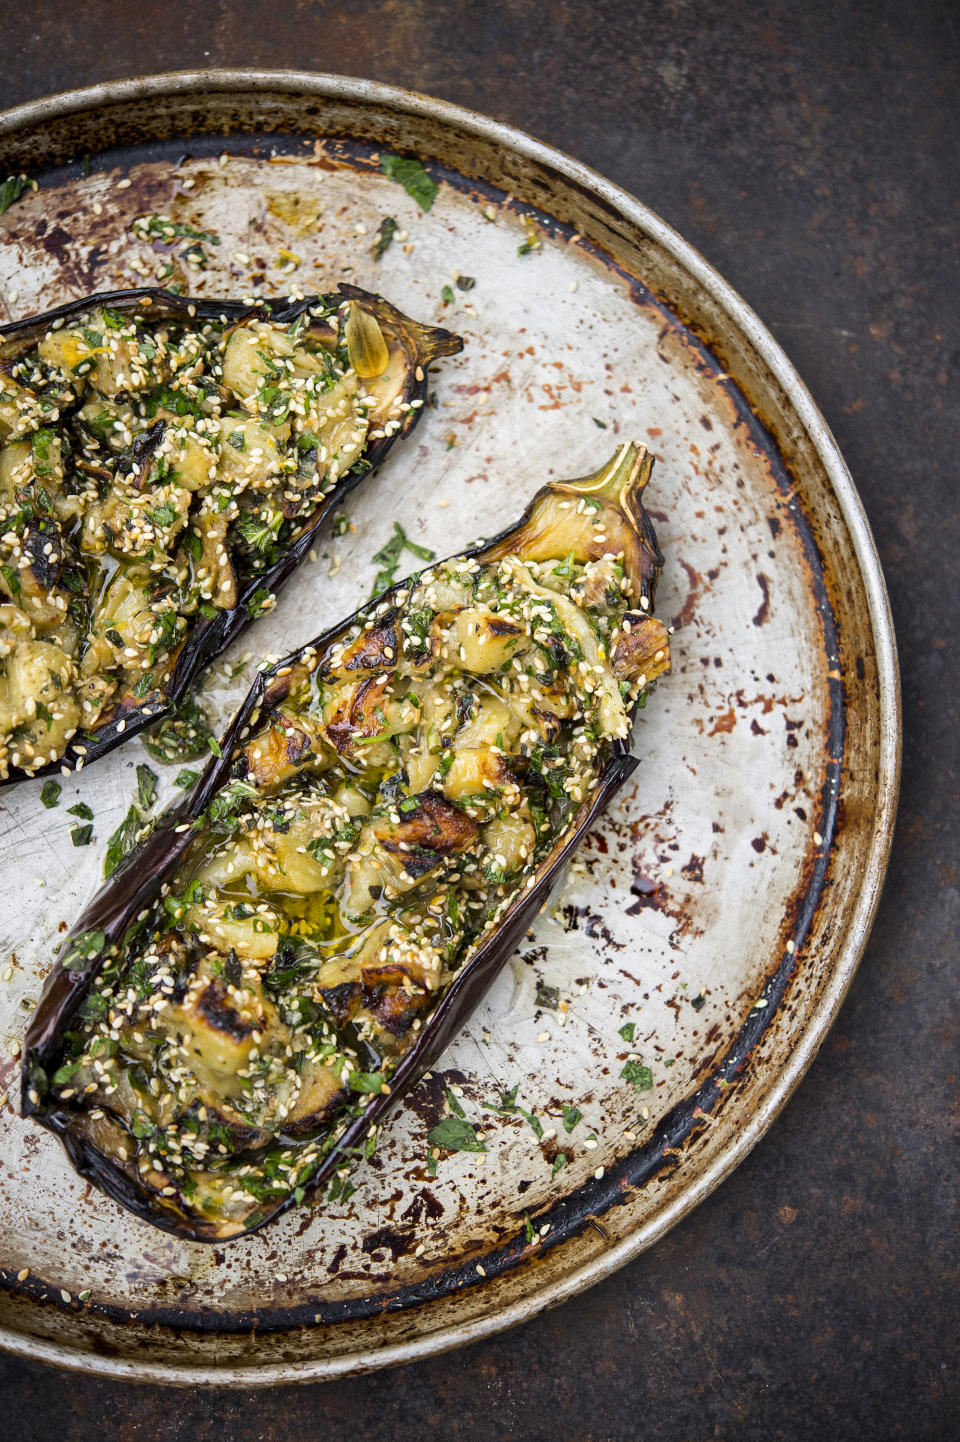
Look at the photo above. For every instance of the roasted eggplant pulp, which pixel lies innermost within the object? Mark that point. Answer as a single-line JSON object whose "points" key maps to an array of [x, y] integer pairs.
{"points": [[300, 938], [165, 464]]}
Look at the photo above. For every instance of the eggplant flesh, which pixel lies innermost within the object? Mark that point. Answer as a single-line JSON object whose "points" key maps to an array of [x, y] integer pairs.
{"points": [[165, 464], [298, 940]]}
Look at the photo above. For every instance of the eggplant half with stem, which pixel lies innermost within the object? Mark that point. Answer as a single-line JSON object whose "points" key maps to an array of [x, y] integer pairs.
{"points": [[299, 939], [165, 464]]}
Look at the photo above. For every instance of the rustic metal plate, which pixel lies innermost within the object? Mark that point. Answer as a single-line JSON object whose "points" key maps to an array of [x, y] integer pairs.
{"points": [[722, 905]]}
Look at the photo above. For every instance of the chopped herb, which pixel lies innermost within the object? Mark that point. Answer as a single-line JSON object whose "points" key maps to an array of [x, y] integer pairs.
{"points": [[161, 227], [13, 187], [508, 1108], [548, 996], [195, 256], [164, 515], [259, 602], [81, 835], [258, 531], [699, 1001], [388, 229], [448, 295], [341, 1189], [146, 786], [123, 840], [82, 810], [455, 1135], [367, 1081], [83, 948], [412, 176], [601, 424], [342, 524], [50, 795], [571, 1116], [453, 1104], [388, 557], [12, 579], [181, 737], [560, 1161], [639, 1076], [628, 1030]]}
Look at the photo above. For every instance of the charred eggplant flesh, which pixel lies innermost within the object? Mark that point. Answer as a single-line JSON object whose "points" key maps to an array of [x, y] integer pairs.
{"points": [[164, 465], [297, 942]]}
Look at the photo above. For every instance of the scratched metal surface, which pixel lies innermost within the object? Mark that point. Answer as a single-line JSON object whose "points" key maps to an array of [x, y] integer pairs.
{"points": [[718, 907]]}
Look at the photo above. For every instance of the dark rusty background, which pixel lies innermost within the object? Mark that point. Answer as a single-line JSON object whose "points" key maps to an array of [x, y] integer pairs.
{"points": [[808, 149]]}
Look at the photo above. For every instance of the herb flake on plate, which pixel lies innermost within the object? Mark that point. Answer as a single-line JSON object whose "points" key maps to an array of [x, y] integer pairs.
{"points": [[412, 176]]}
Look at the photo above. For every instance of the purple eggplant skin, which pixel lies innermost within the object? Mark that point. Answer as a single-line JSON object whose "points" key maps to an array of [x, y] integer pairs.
{"points": [[138, 881], [208, 638]]}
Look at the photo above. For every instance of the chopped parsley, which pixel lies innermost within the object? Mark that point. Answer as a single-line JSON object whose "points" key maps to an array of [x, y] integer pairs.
{"points": [[388, 229], [388, 557], [455, 1134], [14, 186], [123, 840], [146, 786], [639, 1076], [50, 794], [161, 227], [412, 176]]}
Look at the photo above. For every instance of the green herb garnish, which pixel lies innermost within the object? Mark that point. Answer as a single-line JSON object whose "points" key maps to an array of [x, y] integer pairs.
{"points": [[388, 557], [455, 1135], [639, 1076], [388, 229], [571, 1116], [13, 187], [412, 176], [146, 786]]}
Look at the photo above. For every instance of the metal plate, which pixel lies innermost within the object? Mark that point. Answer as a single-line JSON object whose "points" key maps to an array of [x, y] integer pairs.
{"points": [[723, 904]]}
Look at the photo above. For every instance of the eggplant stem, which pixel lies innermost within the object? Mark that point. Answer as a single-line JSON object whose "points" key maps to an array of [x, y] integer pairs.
{"points": [[623, 476]]}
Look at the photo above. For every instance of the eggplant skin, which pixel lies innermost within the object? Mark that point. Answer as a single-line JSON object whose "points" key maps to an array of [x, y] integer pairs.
{"points": [[207, 637], [105, 928]]}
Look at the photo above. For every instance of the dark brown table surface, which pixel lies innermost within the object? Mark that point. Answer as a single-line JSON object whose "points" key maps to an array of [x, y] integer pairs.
{"points": [[809, 150]]}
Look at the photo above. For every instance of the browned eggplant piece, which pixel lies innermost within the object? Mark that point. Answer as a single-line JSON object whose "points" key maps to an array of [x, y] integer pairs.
{"points": [[299, 939], [165, 465]]}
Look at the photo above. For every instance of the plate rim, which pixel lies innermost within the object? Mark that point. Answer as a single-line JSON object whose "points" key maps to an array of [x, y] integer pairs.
{"points": [[877, 851]]}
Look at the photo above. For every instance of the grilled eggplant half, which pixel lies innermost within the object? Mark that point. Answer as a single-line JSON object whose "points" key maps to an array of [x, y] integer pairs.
{"points": [[165, 464], [300, 938]]}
